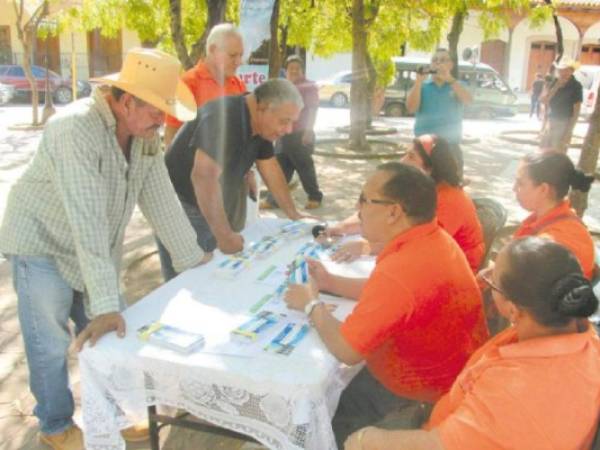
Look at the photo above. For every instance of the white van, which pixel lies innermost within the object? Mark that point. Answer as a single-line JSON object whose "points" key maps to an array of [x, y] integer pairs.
{"points": [[589, 77]]}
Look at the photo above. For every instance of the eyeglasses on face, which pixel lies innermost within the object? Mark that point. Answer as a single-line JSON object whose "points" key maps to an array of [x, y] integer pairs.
{"points": [[487, 279], [374, 201], [440, 60]]}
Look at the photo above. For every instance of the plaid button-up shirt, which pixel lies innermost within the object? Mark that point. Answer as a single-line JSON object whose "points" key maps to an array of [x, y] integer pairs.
{"points": [[78, 194]]}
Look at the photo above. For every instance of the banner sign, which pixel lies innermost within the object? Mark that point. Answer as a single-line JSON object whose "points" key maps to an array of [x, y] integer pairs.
{"points": [[252, 75]]}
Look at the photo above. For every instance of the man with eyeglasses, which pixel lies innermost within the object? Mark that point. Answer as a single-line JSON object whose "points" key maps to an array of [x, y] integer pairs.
{"points": [[437, 103], [418, 318]]}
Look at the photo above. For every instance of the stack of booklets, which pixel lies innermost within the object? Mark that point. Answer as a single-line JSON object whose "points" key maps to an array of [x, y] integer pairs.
{"points": [[171, 337]]}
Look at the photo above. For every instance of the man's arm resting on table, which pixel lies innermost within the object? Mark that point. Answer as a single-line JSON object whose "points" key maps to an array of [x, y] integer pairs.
{"points": [[345, 286], [205, 179], [328, 328], [98, 327], [271, 173], [371, 438]]}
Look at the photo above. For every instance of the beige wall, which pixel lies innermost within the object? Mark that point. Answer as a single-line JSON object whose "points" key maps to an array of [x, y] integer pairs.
{"points": [[70, 42]]}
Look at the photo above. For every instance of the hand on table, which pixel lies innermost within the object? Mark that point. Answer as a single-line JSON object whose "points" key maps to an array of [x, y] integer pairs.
{"points": [[297, 296], [319, 275], [350, 251], [98, 327], [232, 243]]}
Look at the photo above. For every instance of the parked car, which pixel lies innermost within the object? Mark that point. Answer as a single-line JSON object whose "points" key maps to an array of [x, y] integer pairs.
{"points": [[492, 97], [61, 87], [6, 93], [336, 90], [589, 77]]}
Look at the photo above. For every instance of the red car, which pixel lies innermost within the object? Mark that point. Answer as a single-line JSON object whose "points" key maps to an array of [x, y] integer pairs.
{"points": [[61, 88]]}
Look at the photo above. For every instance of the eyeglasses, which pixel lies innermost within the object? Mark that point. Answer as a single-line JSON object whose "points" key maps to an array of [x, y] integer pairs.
{"points": [[440, 60], [488, 280], [374, 201]]}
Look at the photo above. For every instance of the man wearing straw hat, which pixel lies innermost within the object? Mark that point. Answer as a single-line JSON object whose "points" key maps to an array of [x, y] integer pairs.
{"points": [[563, 101], [66, 216]]}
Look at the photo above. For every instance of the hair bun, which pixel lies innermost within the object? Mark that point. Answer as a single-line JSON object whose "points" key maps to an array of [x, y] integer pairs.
{"points": [[580, 181], [573, 296]]}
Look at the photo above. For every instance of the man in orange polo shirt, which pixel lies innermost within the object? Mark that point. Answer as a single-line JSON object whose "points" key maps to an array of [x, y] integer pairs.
{"points": [[215, 76], [419, 316]]}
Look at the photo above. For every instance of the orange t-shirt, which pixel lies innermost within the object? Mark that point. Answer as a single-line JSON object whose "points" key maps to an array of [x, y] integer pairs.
{"points": [[458, 216], [564, 227], [542, 393], [205, 88], [419, 316]]}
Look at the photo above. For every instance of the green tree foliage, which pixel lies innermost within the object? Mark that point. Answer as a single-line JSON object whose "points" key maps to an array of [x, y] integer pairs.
{"points": [[154, 23]]}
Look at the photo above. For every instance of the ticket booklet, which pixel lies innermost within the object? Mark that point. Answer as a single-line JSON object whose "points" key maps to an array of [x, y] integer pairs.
{"points": [[171, 337]]}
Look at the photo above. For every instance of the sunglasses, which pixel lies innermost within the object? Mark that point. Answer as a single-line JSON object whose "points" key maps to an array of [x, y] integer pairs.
{"points": [[374, 201], [488, 280]]}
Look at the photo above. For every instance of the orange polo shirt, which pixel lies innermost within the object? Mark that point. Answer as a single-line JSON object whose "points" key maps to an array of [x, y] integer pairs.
{"points": [[564, 227], [205, 88], [542, 393], [458, 216], [419, 316]]}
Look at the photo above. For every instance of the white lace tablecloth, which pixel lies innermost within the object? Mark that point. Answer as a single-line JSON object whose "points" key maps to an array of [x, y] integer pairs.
{"points": [[283, 402]]}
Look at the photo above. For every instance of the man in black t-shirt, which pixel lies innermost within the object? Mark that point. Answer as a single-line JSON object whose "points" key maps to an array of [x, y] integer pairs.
{"points": [[563, 101], [536, 90], [210, 156]]}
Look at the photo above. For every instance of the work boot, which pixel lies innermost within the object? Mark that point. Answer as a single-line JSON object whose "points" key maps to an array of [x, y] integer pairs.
{"points": [[312, 204], [70, 439], [136, 433], [266, 204]]}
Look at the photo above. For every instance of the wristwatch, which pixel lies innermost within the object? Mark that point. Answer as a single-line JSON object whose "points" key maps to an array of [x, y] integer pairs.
{"points": [[308, 309]]}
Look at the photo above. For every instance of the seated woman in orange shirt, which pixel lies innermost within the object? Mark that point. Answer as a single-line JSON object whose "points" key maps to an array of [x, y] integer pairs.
{"points": [[455, 210], [542, 184], [535, 385]]}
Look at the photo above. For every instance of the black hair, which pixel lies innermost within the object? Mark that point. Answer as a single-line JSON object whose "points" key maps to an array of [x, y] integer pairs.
{"points": [[410, 187], [116, 92], [293, 58], [558, 171], [441, 162], [545, 279]]}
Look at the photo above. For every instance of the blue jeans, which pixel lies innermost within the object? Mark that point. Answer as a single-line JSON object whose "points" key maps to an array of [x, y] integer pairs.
{"points": [[45, 304], [205, 239]]}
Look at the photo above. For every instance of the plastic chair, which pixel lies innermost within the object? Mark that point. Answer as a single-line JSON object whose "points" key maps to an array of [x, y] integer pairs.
{"points": [[492, 216]]}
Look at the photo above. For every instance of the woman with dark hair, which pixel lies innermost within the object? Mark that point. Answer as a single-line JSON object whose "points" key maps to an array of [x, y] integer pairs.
{"points": [[542, 184], [455, 210], [535, 385]]}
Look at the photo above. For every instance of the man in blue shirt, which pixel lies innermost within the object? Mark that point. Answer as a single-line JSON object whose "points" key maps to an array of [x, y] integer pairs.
{"points": [[437, 103]]}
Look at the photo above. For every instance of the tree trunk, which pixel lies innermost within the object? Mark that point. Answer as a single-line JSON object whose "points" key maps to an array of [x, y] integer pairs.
{"points": [[458, 22], [29, 37], [359, 104], [283, 45], [588, 158], [560, 49], [177, 33], [215, 14], [370, 88], [274, 57]]}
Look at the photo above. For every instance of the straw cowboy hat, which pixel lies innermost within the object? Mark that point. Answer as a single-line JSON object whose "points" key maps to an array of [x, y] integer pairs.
{"points": [[567, 63], [153, 76]]}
